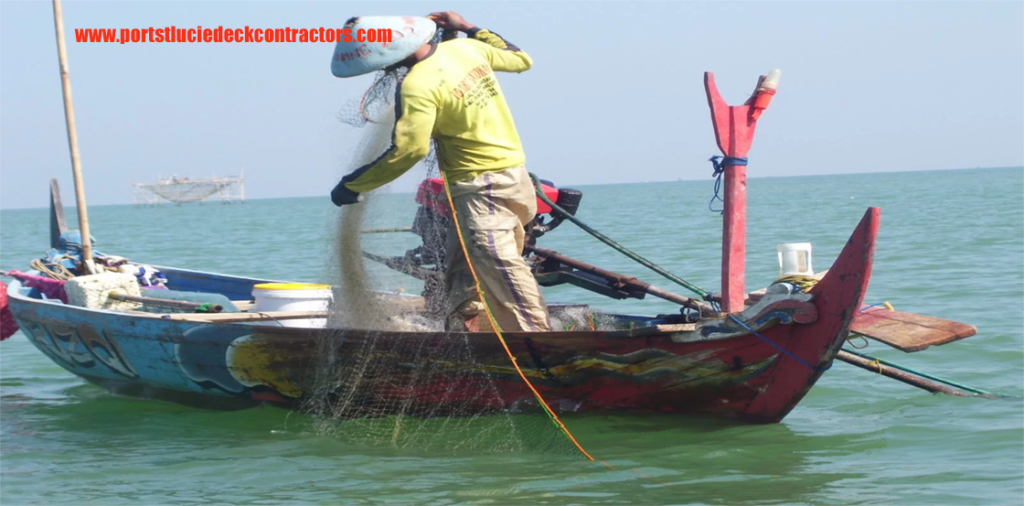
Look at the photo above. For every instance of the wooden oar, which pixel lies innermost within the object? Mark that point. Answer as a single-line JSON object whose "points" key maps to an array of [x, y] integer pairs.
{"points": [[178, 304], [908, 332], [243, 317], [385, 230], [896, 374]]}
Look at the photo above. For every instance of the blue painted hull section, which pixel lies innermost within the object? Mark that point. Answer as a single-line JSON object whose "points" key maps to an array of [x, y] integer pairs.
{"points": [[111, 348]]}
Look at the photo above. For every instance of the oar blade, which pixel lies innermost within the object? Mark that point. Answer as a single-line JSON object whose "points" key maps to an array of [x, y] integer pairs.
{"points": [[909, 332]]}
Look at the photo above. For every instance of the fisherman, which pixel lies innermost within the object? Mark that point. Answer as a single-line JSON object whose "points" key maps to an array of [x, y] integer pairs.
{"points": [[451, 95]]}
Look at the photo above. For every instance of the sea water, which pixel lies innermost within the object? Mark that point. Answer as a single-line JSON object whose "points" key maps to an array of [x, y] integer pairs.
{"points": [[951, 245]]}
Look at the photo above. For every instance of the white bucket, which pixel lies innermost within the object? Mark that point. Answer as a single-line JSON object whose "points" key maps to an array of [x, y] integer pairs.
{"points": [[293, 297], [795, 259]]}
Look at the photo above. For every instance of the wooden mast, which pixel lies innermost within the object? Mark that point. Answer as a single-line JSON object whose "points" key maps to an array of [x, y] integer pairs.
{"points": [[76, 163]]}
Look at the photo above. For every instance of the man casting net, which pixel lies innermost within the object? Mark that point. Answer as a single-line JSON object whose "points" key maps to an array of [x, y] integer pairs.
{"points": [[401, 372]]}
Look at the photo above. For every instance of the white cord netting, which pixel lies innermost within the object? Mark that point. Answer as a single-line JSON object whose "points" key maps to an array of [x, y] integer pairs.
{"points": [[387, 372]]}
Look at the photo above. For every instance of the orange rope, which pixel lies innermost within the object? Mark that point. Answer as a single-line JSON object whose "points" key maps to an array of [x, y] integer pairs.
{"points": [[497, 328]]}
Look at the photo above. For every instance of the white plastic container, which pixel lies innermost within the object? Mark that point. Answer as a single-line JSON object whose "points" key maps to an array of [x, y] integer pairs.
{"points": [[795, 259], [293, 297]]}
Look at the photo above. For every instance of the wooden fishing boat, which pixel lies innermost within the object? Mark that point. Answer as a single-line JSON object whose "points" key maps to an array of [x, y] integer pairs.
{"points": [[713, 366], [753, 360]]}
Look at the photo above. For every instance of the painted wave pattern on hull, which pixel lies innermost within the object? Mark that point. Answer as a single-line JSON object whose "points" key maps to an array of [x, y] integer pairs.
{"points": [[648, 365], [79, 347]]}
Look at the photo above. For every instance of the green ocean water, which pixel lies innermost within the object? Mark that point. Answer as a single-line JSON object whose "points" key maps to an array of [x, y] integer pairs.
{"points": [[951, 245]]}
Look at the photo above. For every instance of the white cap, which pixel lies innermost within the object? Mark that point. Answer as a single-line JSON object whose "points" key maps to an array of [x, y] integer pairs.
{"points": [[408, 33]]}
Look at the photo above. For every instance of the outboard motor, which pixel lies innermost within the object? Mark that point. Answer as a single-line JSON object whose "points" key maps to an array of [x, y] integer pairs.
{"points": [[567, 199]]}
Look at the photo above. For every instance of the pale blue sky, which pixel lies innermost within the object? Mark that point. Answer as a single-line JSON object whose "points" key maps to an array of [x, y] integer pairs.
{"points": [[615, 94]]}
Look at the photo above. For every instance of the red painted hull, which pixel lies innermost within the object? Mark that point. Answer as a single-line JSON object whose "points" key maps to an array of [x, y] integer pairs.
{"points": [[743, 377]]}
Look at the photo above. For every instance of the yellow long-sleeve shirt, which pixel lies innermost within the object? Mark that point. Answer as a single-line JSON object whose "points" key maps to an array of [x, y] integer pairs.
{"points": [[452, 96]]}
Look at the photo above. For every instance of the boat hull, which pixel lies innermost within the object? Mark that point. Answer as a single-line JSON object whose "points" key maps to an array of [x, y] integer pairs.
{"points": [[728, 372]]}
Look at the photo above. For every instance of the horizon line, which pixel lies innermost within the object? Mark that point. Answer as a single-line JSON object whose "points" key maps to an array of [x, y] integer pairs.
{"points": [[75, 206]]}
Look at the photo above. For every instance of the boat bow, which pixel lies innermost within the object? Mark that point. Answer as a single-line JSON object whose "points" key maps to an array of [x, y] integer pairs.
{"points": [[812, 348]]}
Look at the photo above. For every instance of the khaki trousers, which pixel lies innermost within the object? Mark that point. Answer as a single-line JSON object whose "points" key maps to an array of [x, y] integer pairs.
{"points": [[493, 209]]}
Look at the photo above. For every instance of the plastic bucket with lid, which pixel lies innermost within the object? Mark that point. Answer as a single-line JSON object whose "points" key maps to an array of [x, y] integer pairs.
{"points": [[795, 259], [293, 297]]}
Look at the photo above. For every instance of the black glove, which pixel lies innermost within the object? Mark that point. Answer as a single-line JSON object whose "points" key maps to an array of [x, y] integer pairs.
{"points": [[341, 195]]}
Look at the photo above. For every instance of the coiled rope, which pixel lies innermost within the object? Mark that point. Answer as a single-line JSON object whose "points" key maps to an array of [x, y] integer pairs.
{"points": [[54, 270], [804, 283]]}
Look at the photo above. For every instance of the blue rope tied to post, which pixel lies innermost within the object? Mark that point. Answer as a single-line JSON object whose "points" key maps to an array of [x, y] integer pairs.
{"points": [[780, 348], [719, 170]]}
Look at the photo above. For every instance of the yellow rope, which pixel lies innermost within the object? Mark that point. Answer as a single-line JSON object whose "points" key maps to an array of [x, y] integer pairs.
{"points": [[804, 282], [497, 328]]}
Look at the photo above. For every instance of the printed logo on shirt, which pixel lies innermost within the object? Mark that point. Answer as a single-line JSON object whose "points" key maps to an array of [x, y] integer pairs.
{"points": [[468, 82], [482, 92], [477, 87]]}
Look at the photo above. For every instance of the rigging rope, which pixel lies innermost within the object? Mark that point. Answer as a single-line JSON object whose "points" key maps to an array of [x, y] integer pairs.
{"points": [[616, 246], [780, 348], [719, 169]]}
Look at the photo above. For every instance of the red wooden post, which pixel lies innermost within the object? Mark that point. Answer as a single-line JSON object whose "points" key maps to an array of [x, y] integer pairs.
{"points": [[734, 132]]}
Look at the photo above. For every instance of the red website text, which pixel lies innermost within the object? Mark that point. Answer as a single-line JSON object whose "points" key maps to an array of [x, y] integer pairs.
{"points": [[221, 34]]}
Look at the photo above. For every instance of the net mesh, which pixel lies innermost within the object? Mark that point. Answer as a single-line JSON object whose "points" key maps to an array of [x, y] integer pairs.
{"points": [[387, 373], [182, 190]]}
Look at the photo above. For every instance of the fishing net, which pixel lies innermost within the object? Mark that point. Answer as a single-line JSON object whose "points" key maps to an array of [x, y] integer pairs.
{"points": [[386, 372], [181, 190]]}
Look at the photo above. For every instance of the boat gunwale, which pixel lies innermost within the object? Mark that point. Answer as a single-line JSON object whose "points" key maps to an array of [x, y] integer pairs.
{"points": [[686, 332], [658, 330]]}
